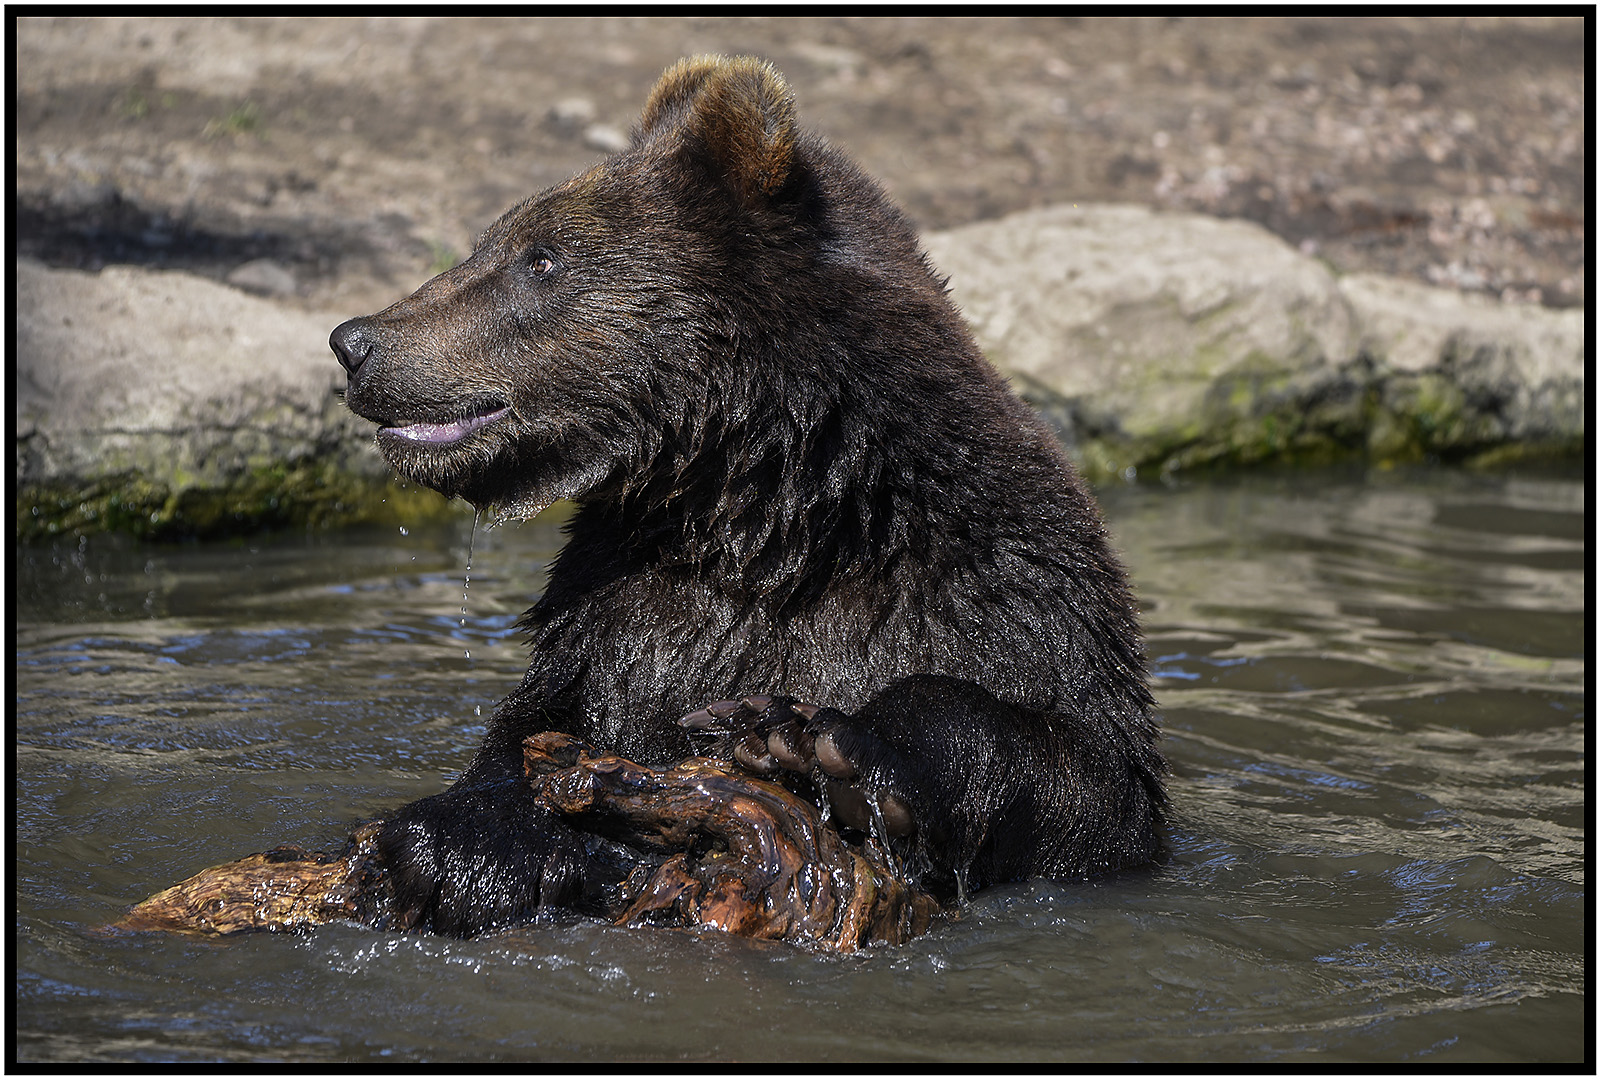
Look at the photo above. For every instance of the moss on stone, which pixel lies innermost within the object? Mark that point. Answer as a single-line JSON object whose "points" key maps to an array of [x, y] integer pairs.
{"points": [[1528, 453], [1263, 417], [271, 497], [1258, 414]]}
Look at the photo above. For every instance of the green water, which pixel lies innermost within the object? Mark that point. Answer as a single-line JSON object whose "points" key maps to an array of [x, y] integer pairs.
{"points": [[1374, 691]]}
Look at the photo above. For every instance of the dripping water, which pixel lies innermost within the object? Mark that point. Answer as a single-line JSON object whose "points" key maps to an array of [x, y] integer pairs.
{"points": [[880, 831], [820, 782], [467, 577]]}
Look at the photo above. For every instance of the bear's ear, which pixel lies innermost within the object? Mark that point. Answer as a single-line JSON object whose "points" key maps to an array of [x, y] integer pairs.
{"points": [[736, 116]]}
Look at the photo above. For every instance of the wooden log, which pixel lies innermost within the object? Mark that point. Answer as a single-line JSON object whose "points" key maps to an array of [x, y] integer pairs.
{"points": [[286, 888], [718, 849]]}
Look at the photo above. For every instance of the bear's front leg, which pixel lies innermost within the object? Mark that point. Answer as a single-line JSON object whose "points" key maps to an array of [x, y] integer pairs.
{"points": [[488, 854], [987, 790]]}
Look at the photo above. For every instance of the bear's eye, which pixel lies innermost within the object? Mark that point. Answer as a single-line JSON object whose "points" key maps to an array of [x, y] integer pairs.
{"points": [[541, 263]]}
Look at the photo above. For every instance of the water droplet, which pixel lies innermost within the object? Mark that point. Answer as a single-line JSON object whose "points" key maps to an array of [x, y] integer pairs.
{"points": [[820, 782], [467, 575]]}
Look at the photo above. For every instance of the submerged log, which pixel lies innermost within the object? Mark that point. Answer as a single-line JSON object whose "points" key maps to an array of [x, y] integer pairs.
{"points": [[718, 849]]}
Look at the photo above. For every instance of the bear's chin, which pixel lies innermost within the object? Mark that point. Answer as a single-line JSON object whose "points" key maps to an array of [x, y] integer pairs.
{"points": [[467, 466], [496, 475]]}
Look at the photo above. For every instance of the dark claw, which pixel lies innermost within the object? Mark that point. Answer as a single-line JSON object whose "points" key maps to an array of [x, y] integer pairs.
{"points": [[699, 720], [710, 718], [853, 807], [751, 752], [833, 762], [791, 747], [849, 805], [897, 816]]}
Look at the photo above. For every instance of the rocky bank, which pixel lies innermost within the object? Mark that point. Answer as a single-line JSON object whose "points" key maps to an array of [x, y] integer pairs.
{"points": [[1190, 242], [163, 403]]}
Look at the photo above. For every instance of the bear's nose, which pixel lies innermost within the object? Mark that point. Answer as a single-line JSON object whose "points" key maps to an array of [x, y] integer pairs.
{"points": [[352, 342]]}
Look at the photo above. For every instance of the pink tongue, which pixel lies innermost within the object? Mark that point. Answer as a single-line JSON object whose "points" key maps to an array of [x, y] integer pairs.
{"points": [[446, 433]]}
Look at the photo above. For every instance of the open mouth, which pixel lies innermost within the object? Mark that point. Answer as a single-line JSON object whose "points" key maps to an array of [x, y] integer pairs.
{"points": [[444, 434]]}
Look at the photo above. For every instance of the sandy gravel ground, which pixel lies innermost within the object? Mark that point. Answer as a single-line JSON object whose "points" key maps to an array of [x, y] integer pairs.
{"points": [[355, 155]]}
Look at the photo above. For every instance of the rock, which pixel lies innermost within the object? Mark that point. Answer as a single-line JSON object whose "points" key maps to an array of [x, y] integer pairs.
{"points": [[1467, 368], [158, 401], [606, 138], [264, 277], [833, 59], [1161, 341], [573, 113], [158, 371], [576, 116], [82, 196], [1125, 323], [161, 402]]}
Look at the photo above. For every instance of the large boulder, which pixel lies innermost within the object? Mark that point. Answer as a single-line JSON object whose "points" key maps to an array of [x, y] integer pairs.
{"points": [[1158, 341], [1458, 372], [164, 403]]}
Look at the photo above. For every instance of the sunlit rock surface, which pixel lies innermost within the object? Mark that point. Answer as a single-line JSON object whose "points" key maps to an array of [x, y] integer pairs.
{"points": [[163, 403]]}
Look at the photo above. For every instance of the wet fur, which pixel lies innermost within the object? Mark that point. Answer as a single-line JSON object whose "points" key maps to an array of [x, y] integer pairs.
{"points": [[795, 475]]}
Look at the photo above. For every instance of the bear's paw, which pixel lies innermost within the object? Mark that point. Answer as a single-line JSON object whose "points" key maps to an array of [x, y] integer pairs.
{"points": [[850, 767]]}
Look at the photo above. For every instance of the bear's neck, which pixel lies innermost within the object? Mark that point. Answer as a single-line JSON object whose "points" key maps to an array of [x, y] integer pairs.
{"points": [[785, 510]]}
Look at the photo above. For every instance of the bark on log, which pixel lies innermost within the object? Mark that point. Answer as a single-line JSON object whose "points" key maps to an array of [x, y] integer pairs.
{"points": [[286, 888], [718, 849]]}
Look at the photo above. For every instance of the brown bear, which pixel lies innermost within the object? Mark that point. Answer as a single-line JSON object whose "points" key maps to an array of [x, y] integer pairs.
{"points": [[815, 531]]}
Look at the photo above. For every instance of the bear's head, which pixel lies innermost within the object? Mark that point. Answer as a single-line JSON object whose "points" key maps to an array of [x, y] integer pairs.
{"points": [[581, 336]]}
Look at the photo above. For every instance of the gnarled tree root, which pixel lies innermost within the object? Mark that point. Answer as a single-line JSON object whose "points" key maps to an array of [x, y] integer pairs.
{"points": [[745, 856], [718, 849]]}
